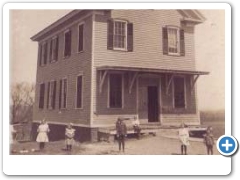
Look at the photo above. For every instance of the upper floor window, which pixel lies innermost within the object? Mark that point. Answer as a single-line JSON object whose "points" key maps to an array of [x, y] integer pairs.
{"points": [[80, 37], [43, 50], [54, 49], [120, 35], [67, 43], [51, 94], [41, 96], [179, 92], [173, 41]]}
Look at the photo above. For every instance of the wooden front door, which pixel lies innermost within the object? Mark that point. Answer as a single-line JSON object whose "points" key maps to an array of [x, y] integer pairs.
{"points": [[153, 108]]}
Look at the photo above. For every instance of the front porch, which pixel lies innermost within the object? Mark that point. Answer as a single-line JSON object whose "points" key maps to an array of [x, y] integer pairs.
{"points": [[162, 96]]}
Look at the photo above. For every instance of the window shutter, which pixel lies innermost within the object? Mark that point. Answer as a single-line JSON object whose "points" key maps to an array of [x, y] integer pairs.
{"points": [[39, 54], [67, 49], [60, 94], [41, 97], [50, 53], [48, 94], [79, 92], [80, 38], [182, 43], [165, 40], [54, 94], [45, 53], [110, 35], [70, 43], [56, 49], [130, 37]]}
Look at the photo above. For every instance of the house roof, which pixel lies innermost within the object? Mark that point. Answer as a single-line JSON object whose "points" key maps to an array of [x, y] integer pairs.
{"points": [[192, 15], [152, 70], [187, 14], [57, 23]]}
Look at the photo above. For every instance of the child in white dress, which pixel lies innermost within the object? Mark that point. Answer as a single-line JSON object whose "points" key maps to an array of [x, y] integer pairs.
{"points": [[43, 130], [184, 138]]}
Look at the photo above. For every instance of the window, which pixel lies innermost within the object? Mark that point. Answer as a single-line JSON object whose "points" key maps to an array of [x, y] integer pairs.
{"points": [[67, 44], [80, 37], [179, 92], [63, 93], [51, 94], [41, 96], [43, 54], [173, 45], [173, 41], [115, 90], [120, 35], [79, 92], [54, 49]]}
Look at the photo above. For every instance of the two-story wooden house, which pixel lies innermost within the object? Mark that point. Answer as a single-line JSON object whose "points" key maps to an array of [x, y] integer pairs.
{"points": [[97, 65]]}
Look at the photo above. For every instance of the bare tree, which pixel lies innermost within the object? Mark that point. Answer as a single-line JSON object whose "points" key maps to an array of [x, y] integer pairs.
{"points": [[22, 98]]}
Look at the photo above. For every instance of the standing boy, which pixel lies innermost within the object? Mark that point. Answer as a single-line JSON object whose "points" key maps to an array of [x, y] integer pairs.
{"points": [[121, 129]]}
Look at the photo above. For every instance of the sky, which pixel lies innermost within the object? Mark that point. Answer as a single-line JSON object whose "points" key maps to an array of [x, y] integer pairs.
{"points": [[209, 51]]}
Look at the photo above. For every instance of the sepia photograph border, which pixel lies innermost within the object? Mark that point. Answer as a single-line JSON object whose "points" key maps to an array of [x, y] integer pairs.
{"points": [[129, 164]]}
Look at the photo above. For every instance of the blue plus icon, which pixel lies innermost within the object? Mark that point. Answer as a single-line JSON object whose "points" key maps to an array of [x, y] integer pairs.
{"points": [[227, 145]]}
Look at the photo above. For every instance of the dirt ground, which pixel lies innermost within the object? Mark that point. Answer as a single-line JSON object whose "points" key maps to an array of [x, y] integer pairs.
{"points": [[164, 143]]}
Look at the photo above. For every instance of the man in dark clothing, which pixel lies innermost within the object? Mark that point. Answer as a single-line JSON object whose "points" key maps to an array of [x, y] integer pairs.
{"points": [[121, 129]]}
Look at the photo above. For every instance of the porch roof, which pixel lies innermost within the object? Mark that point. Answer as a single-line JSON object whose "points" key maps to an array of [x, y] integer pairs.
{"points": [[151, 70]]}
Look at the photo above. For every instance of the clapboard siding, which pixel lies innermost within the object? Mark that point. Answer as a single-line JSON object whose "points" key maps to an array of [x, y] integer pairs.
{"points": [[69, 68], [177, 119], [147, 47], [110, 120], [147, 35]]}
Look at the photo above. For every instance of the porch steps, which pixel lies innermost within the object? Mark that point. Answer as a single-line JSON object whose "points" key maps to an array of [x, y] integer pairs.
{"points": [[108, 134]]}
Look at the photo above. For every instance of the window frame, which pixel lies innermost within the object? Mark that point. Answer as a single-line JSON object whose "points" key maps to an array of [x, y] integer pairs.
{"points": [[64, 47], [51, 98], [126, 34], [81, 24], [178, 39], [42, 53], [52, 60], [122, 91], [79, 75], [173, 92]]}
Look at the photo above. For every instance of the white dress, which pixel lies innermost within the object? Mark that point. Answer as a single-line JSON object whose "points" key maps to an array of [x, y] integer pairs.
{"points": [[184, 136], [43, 129]]}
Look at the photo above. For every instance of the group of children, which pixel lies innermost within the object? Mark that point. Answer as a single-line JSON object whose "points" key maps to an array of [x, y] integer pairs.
{"points": [[43, 130], [184, 138]]}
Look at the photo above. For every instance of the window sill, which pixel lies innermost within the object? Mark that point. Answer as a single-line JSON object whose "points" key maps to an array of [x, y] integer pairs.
{"points": [[120, 49], [173, 54]]}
